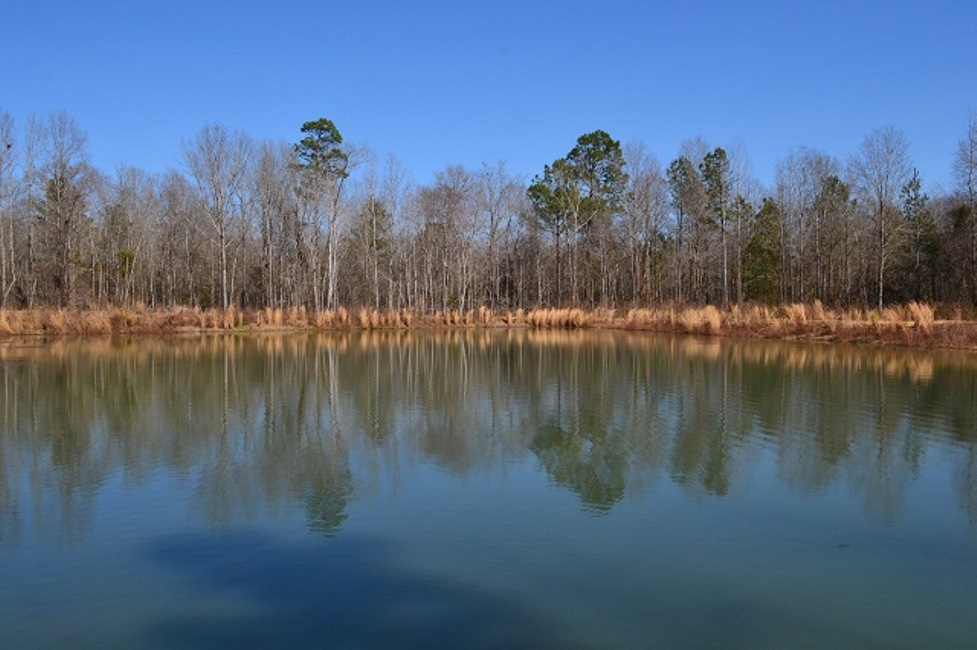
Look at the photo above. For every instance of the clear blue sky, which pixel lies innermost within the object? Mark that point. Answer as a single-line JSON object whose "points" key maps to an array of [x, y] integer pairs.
{"points": [[438, 83]]}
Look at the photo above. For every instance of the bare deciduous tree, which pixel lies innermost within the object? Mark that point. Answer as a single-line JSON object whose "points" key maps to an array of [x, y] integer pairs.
{"points": [[63, 206], [645, 211], [965, 173], [8, 266], [878, 172], [500, 199], [218, 162]]}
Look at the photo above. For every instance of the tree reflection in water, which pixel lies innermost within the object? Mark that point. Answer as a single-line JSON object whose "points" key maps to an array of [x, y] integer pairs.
{"points": [[265, 421]]}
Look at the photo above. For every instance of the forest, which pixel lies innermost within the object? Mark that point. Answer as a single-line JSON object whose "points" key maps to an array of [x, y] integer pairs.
{"points": [[321, 224]]}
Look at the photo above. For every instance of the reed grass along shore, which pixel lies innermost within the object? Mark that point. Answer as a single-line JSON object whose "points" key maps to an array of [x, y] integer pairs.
{"points": [[914, 324]]}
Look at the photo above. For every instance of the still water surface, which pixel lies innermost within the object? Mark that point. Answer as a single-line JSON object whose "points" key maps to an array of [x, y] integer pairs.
{"points": [[487, 489]]}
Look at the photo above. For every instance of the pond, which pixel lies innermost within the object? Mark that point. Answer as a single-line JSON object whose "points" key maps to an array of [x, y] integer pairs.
{"points": [[485, 489]]}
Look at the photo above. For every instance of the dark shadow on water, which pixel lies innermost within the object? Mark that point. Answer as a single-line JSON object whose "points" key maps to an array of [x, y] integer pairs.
{"points": [[344, 592]]}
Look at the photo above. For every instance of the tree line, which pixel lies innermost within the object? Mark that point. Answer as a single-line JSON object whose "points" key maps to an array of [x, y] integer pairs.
{"points": [[321, 223]]}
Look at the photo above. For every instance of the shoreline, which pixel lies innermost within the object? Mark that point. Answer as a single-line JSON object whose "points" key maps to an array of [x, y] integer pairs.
{"points": [[912, 325]]}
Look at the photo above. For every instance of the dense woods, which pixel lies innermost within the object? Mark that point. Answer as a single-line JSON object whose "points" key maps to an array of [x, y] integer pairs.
{"points": [[321, 224]]}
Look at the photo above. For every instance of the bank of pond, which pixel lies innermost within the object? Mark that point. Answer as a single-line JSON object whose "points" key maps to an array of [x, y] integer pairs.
{"points": [[914, 324]]}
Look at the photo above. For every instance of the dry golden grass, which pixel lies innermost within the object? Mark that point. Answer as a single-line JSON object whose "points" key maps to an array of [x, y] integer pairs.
{"points": [[57, 322], [915, 324], [893, 314], [92, 322], [921, 314], [701, 320], [796, 313], [561, 318], [818, 312], [323, 319], [713, 319], [228, 318]]}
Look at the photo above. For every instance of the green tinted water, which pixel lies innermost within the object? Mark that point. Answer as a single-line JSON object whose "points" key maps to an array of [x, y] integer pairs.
{"points": [[510, 489]]}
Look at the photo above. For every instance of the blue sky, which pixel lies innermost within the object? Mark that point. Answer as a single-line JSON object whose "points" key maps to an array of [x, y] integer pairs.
{"points": [[439, 83]]}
